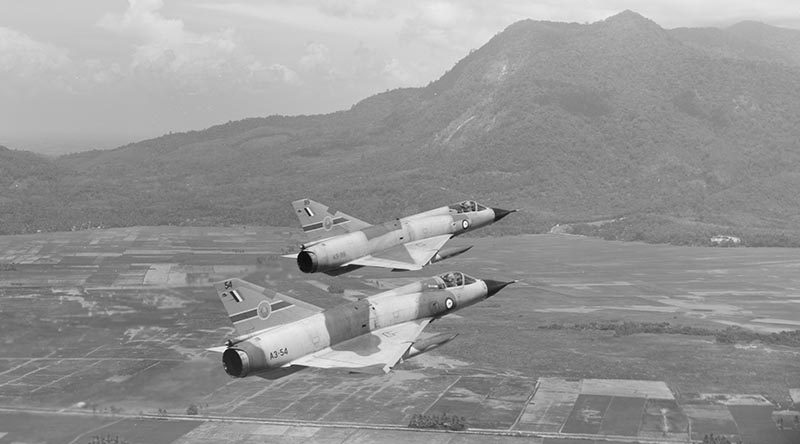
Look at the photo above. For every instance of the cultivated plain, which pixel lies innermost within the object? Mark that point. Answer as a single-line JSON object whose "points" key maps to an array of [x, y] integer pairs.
{"points": [[104, 333]]}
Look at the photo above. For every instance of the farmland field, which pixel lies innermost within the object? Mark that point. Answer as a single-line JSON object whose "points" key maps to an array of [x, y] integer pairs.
{"points": [[104, 332]]}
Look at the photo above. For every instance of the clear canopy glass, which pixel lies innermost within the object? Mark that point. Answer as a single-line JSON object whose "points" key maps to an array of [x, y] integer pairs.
{"points": [[453, 279], [467, 206]]}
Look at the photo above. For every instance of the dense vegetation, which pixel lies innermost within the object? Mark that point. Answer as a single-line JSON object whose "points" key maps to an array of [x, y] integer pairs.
{"points": [[728, 335], [439, 422], [653, 228], [568, 122]]}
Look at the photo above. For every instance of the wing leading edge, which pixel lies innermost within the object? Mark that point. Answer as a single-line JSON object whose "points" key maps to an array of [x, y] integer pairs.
{"points": [[408, 256], [374, 353]]}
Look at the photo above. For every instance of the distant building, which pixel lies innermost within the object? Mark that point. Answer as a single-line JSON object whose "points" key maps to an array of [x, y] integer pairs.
{"points": [[721, 240]]}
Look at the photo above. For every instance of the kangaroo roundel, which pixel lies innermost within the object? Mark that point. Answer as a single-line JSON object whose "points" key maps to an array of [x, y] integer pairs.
{"points": [[449, 303], [465, 224], [264, 309]]}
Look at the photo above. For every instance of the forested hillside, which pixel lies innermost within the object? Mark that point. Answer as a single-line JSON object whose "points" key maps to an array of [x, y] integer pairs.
{"points": [[746, 40], [569, 122]]}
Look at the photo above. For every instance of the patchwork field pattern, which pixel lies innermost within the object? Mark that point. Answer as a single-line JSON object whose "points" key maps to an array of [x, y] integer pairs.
{"points": [[104, 333]]}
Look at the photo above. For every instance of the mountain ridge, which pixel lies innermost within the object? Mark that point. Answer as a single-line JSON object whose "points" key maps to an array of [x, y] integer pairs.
{"points": [[571, 121], [746, 40]]}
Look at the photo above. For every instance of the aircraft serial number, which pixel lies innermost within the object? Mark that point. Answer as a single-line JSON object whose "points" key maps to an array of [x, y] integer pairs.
{"points": [[278, 353]]}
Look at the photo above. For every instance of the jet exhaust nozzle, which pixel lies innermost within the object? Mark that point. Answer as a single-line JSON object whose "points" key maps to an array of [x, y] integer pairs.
{"points": [[449, 252], [493, 287], [425, 345], [307, 261], [236, 362], [500, 213]]}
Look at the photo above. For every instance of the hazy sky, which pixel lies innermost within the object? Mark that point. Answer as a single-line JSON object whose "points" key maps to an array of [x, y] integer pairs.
{"points": [[108, 72]]}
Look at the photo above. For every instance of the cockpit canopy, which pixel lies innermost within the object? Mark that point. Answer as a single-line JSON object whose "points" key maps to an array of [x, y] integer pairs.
{"points": [[453, 279], [467, 206]]}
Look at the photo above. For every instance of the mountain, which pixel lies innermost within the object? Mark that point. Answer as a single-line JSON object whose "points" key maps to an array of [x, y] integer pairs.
{"points": [[570, 122], [28, 183], [746, 40]]}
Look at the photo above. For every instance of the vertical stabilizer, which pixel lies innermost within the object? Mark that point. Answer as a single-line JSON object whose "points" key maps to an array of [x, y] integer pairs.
{"points": [[252, 308], [320, 222]]}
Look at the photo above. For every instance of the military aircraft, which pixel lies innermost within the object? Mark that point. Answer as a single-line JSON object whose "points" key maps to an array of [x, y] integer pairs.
{"points": [[339, 243], [278, 335]]}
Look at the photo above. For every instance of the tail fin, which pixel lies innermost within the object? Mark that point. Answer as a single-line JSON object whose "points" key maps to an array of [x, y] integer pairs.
{"points": [[252, 308], [319, 221]]}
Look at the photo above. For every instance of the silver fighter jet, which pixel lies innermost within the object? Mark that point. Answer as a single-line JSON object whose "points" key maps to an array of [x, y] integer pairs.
{"points": [[278, 335], [339, 243]]}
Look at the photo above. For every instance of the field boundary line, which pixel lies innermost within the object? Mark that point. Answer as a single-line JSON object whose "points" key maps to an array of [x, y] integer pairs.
{"points": [[525, 406], [342, 425]]}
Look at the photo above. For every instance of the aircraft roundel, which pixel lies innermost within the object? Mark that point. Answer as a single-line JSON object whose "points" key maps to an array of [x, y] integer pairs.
{"points": [[449, 303], [263, 310], [327, 223], [465, 224]]}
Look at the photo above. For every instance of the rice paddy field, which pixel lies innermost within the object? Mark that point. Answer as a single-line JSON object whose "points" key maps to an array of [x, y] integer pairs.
{"points": [[104, 333]]}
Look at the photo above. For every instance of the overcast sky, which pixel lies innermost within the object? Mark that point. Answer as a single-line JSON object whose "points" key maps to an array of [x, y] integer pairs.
{"points": [[108, 72]]}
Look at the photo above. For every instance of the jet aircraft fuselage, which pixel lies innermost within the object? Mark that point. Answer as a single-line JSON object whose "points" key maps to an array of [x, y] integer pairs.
{"points": [[343, 242], [369, 335]]}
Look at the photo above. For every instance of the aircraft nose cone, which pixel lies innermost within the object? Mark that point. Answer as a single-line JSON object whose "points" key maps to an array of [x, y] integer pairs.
{"points": [[493, 287], [500, 213]]}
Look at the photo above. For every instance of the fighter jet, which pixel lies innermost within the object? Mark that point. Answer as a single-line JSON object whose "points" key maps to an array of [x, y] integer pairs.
{"points": [[339, 243], [278, 335]]}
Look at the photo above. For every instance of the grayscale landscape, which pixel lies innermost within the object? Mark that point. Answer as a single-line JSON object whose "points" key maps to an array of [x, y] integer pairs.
{"points": [[634, 152], [667, 136], [105, 333]]}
